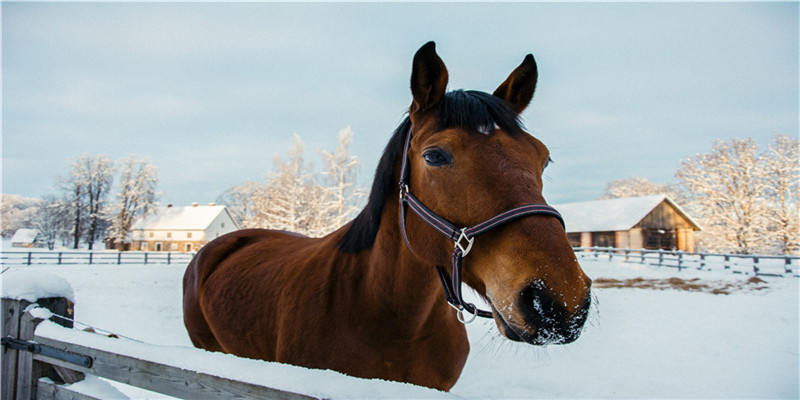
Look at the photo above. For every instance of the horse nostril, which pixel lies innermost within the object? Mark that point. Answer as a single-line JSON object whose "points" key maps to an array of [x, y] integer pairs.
{"points": [[538, 307]]}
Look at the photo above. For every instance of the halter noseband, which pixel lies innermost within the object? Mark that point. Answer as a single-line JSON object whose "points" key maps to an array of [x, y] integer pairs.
{"points": [[463, 238]]}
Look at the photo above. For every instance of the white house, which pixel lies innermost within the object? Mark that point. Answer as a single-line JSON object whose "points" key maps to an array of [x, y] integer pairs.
{"points": [[647, 222], [183, 229]]}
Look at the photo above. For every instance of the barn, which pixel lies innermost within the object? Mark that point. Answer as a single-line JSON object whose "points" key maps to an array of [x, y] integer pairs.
{"points": [[183, 229], [647, 222]]}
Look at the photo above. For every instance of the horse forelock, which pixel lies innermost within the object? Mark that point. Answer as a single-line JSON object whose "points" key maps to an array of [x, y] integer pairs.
{"points": [[469, 110]]}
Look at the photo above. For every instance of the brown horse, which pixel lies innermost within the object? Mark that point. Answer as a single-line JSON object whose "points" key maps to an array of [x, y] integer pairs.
{"points": [[368, 303]]}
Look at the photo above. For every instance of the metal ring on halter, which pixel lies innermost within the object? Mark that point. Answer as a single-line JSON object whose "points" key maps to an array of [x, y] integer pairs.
{"points": [[460, 313], [468, 247]]}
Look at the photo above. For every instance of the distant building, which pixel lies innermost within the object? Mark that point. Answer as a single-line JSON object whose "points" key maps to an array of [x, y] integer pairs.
{"points": [[26, 238], [184, 229], [648, 222]]}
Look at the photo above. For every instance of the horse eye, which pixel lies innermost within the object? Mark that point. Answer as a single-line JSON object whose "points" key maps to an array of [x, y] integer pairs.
{"points": [[436, 157], [548, 162]]}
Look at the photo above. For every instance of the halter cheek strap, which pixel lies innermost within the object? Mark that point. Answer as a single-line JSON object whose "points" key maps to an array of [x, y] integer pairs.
{"points": [[463, 238]]}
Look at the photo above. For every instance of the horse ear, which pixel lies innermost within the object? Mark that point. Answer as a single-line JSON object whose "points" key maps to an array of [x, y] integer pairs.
{"points": [[428, 78], [518, 88]]}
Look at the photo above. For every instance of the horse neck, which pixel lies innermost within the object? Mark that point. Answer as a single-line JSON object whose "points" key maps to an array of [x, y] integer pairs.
{"points": [[399, 279]]}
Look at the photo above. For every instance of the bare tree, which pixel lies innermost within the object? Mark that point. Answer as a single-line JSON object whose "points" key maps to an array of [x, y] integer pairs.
{"points": [[341, 195], [726, 189], [136, 197], [52, 220], [99, 177], [782, 161], [17, 212]]}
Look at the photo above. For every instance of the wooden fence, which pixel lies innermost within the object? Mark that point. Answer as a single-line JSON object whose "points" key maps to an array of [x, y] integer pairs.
{"points": [[751, 264], [37, 367], [16, 257]]}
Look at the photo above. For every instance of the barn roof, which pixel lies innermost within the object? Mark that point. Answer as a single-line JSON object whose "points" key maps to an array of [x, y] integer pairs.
{"points": [[181, 218], [25, 235], [613, 214]]}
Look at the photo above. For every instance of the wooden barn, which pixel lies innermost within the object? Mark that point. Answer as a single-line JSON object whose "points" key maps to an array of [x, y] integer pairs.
{"points": [[648, 222], [184, 229]]}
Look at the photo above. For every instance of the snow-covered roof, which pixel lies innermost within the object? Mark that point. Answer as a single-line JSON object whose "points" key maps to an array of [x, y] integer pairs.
{"points": [[613, 214], [24, 235], [180, 218]]}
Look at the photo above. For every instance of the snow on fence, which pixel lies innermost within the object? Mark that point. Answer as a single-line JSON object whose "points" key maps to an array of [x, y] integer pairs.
{"points": [[748, 264], [14, 257], [38, 365]]}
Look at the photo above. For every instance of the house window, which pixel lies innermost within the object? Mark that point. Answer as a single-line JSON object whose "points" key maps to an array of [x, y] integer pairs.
{"points": [[174, 247], [169, 235], [158, 246], [222, 225], [151, 234], [188, 235], [188, 247], [143, 246]]}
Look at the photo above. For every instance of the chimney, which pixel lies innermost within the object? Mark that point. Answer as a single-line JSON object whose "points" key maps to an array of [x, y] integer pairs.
{"points": [[212, 204], [169, 205], [194, 204]]}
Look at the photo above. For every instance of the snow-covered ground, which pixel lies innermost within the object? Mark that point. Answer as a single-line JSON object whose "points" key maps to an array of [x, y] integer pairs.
{"points": [[639, 343]]}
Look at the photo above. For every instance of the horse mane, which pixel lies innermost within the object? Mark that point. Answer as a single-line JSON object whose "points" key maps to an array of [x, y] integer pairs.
{"points": [[470, 110]]}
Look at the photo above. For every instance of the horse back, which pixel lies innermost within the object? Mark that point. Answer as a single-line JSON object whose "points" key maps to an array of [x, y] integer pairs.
{"points": [[202, 266]]}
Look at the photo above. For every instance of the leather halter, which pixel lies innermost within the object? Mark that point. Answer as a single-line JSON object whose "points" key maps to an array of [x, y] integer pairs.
{"points": [[463, 238]]}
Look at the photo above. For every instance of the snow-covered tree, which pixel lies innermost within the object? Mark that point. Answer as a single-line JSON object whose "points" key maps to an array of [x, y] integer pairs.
{"points": [[136, 197], [341, 195], [725, 189], [99, 176], [284, 203], [635, 187], [240, 200], [782, 164], [17, 212], [52, 220], [73, 187]]}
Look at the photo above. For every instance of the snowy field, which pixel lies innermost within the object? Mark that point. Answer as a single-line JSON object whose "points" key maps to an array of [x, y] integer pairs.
{"points": [[666, 338]]}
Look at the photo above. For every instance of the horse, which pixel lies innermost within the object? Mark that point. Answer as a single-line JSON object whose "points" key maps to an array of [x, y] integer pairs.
{"points": [[381, 296]]}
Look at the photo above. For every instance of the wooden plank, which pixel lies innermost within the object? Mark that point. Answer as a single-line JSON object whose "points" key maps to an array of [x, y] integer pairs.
{"points": [[162, 378], [12, 311], [48, 390]]}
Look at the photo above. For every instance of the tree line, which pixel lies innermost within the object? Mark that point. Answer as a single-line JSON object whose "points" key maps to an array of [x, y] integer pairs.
{"points": [[82, 209], [746, 200]]}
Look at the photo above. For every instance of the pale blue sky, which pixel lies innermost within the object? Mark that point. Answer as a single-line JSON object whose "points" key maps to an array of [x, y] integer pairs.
{"points": [[210, 92]]}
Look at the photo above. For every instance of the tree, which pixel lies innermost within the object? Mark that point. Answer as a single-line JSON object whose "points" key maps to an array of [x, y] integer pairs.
{"points": [[17, 212], [240, 200], [636, 186], [782, 161], [99, 178], [136, 197], [52, 220], [725, 188], [341, 195]]}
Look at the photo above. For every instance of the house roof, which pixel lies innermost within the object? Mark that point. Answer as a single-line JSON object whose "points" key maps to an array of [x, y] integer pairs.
{"points": [[613, 214], [24, 235], [181, 218]]}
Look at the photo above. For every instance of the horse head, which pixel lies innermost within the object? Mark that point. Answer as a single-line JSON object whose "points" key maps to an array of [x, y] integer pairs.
{"points": [[469, 160]]}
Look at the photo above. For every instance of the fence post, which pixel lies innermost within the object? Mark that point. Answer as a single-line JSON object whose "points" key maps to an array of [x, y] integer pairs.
{"points": [[30, 253], [19, 371], [59, 257], [755, 265], [145, 257], [787, 265], [169, 261], [725, 262], [680, 260], [660, 257], [90, 258], [702, 261], [119, 258]]}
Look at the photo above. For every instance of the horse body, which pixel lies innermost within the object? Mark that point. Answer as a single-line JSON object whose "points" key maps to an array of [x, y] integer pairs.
{"points": [[267, 279], [366, 300]]}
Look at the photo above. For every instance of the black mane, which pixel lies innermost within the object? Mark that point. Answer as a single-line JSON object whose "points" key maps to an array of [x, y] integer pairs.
{"points": [[470, 110]]}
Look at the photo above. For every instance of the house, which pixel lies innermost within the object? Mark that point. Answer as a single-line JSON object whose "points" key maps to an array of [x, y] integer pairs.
{"points": [[26, 238], [184, 229], [648, 222]]}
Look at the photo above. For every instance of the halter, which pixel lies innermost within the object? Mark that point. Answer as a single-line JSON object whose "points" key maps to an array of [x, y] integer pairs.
{"points": [[463, 238]]}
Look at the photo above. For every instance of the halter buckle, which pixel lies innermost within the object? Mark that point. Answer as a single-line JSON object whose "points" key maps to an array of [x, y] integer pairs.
{"points": [[460, 313], [464, 248]]}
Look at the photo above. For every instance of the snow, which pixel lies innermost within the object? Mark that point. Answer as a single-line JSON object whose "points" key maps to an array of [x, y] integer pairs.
{"points": [[638, 343], [25, 236], [21, 284], [184, 218], [609, 215]]}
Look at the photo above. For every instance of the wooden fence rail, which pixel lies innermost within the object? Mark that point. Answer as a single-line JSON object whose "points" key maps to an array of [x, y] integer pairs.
{"points": [[35, 367], [16, 257], [755, 264]]}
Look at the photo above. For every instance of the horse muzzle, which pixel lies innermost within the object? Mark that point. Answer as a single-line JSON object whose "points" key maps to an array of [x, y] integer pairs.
{"points": [[546, 321]]}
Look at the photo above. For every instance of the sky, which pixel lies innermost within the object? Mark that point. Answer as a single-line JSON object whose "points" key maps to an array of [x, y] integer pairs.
{"points": [[210, 93]]}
